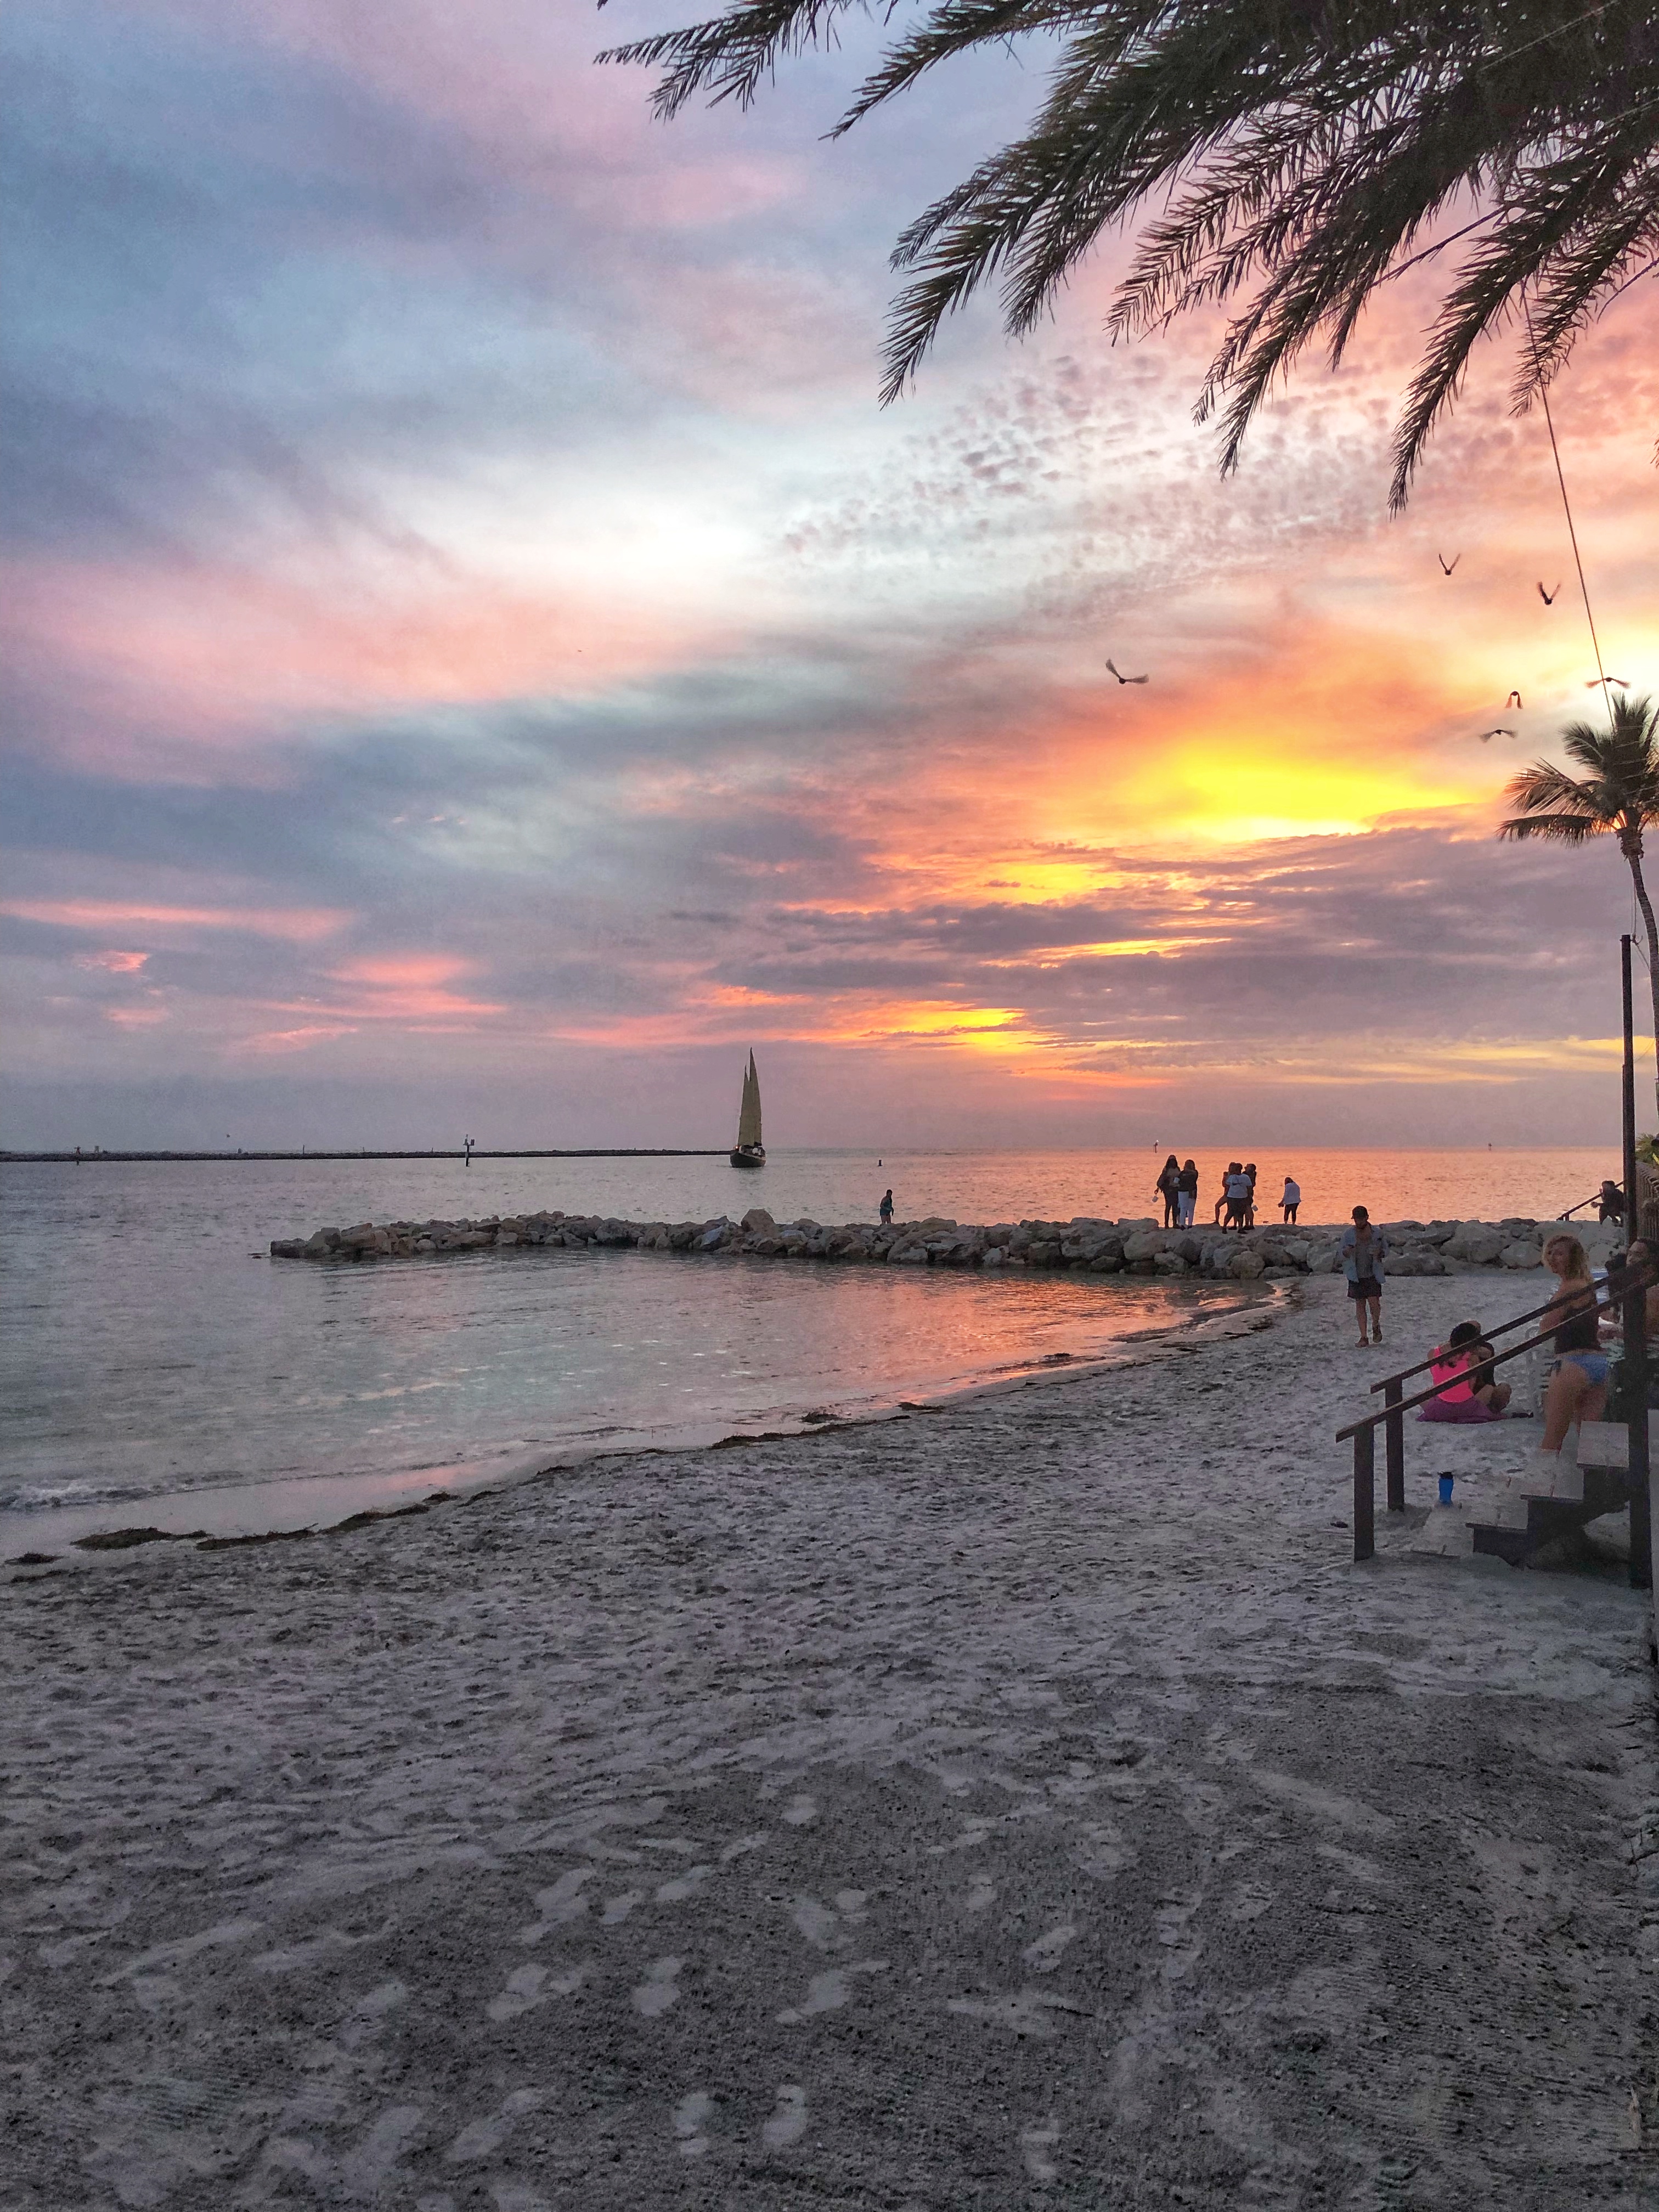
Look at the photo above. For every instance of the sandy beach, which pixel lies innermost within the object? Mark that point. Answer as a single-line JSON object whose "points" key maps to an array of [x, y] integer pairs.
{"points": [[1021, 1803]]}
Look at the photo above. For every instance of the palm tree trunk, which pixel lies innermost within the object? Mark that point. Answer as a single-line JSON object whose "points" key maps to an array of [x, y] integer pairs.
{"points": [[1646, 905]]}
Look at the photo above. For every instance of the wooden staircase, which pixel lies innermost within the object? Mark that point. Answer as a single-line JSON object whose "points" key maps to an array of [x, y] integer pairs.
{"points": [[1538, 1505]]}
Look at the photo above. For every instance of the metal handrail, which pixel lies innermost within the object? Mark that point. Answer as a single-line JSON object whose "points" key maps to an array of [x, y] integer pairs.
{"points": [[1594, 1196]]}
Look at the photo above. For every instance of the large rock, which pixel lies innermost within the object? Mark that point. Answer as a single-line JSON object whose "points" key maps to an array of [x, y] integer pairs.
{"points": [[1144, 1244], [758, 1220], [1523, 1252], [1474, 1242]]}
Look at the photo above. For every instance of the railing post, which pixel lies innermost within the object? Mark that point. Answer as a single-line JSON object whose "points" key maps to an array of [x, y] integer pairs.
{"points": [[1394, 1431], [1365, 1492]]}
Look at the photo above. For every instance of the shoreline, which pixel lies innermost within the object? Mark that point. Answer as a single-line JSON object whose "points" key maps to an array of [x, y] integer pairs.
{"points": [[1030, 1800], [285, 1507]]}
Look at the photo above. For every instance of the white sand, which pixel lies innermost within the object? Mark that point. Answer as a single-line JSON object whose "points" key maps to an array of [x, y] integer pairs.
{"points": [[1023, 1803]]}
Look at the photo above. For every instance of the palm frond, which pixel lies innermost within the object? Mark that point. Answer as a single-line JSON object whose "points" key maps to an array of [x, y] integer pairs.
{"points": [[1298, 151], [1566, 829]]}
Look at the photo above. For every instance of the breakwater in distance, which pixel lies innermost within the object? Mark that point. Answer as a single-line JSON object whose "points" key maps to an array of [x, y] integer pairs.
{"points": [[1272, 1251], [99, 1157]]}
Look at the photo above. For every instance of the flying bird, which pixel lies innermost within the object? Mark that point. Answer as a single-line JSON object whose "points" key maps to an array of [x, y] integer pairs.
{"points": [[1548, 598], [1445, 567], [1590, 686], [1122, 678], [1514, 700], [1486, 736]]}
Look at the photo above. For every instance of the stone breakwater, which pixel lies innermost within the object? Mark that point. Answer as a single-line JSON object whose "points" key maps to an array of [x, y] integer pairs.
{"points": [[1084, 1245]]}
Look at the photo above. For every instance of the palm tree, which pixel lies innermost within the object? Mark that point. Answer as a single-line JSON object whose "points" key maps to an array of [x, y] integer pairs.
{"points": [[1618, 796], [1311, 149]]}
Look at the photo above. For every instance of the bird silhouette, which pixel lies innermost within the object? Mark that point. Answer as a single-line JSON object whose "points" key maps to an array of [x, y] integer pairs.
{"points": [[1122, 678], [1446, 568], [1514, 700], [1594, 681], [1486, 736], [1548, 598]]}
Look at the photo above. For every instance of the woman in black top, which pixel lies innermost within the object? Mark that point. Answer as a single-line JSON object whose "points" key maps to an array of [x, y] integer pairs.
{"points": [[1577, 1388], [1169, 1186]]}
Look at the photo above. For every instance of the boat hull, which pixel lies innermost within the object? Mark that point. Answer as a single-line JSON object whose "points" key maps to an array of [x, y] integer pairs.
{"points": [[749, 1156]]}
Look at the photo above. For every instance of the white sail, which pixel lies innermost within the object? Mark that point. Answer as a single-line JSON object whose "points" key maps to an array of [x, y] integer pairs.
{"points": [[748, 1113]]}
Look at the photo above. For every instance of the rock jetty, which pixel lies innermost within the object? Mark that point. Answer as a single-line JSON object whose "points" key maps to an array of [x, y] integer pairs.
{"points": [[1084, 1245]]}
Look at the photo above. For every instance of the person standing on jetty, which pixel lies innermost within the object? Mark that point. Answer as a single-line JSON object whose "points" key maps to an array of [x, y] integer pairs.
{"points": [[1364, 1251], [1187, 1194], [886, 1210], [1291, 1199], [1167, 1187]]}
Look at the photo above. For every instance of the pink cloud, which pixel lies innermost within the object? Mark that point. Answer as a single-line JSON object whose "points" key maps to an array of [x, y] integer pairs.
{"points": [[299, 925], [114, 964]]}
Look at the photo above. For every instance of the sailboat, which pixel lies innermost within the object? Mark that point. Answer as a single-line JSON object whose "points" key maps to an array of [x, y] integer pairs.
{"points": [[749, 1151]]}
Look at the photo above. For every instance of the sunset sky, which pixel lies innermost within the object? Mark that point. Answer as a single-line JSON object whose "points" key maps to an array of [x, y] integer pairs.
{"points": [[479, 656]]}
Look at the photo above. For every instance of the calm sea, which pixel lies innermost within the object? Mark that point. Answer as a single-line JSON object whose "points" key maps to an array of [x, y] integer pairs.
{"points": [[152, 1352]]}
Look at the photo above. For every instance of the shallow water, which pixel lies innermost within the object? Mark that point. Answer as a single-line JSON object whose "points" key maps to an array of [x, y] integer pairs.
{"points": [[150, 1347]]}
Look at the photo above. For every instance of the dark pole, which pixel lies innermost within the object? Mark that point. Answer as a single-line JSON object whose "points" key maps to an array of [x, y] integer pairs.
{"points": [[1635, 1315]]}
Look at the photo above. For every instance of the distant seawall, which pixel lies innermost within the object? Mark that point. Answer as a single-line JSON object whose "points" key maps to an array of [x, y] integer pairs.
{"points": [[1084, 1245], [586, 1153]]}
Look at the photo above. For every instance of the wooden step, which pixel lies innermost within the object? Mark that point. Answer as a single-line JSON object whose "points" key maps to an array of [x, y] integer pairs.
{"points": [[1548, 1502]]}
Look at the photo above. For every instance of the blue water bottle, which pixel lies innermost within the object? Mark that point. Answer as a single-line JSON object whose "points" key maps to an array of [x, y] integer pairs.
{"points": [[1445, 1489]]}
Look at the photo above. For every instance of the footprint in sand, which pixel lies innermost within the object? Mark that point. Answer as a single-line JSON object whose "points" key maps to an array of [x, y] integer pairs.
{"points": [[800, 1811], [829, 1992], [979, 1897], [683, 1885], [1037, 2144], [659, 1989], [616, 1909], [563, 1902], [788, 2123], [530, 1985], [818, 1925], [488, 2134], [1043, 1956], [690, 2115], [1249, 1901]]}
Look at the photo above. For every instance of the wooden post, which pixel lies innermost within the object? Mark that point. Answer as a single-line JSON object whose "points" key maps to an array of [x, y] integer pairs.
{"points": [[1365, 1492], [1635, 1313], [1393, 1435]]}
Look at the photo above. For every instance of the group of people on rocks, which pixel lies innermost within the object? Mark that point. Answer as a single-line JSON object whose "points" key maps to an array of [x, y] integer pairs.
{"points": [[1177, 1185]]}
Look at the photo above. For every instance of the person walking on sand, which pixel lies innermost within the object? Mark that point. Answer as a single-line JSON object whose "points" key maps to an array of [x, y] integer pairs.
{"points": [[1187, 1194], [886, 1210], [1167, 1187], [1291, 1199], [1364, 1251]]}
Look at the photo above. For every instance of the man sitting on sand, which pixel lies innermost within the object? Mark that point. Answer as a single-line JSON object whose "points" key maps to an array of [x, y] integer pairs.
{"points": [[1471, 1392]]}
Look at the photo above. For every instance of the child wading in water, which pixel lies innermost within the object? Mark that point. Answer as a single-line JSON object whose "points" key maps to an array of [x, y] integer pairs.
{"points": [[1363, 1250]]}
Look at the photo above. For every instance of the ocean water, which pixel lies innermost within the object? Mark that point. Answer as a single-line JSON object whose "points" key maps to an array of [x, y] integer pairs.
{"points": [[152, 1351]]}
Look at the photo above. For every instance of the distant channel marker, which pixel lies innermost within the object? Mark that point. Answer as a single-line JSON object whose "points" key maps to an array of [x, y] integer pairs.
{"points": [[587, 1152]]}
